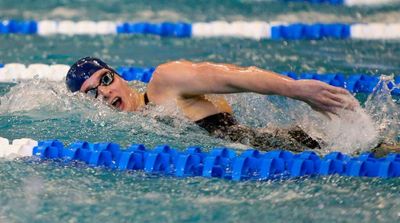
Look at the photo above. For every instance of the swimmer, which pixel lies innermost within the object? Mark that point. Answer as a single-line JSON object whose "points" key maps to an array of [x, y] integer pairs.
{"points": [[188, 86]]}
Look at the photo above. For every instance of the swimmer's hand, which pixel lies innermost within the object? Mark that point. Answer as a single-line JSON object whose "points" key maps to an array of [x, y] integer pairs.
{"points": [[323, 97]]}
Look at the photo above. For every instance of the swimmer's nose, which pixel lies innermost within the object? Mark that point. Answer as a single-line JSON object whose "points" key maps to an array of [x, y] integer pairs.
{"points": [[104, 91]]}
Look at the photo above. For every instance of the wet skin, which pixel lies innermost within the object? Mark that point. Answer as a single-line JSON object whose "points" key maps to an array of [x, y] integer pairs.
{"points": [[189, 85]]}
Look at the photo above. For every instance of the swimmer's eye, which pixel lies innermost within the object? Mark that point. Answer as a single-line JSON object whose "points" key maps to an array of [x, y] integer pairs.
{"points": [[107, 79], [92, 92]]}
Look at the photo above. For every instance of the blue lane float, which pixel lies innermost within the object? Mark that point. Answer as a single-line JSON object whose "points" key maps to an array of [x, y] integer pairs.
{"points": [[222, 163], [18, 27], [241, 29], [301, 31], [165, 29]]}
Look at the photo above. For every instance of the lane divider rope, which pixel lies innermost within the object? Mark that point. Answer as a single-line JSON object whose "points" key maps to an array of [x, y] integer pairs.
{"points": [[355, 83], [221, 162], [350, 2], [254, 30]]}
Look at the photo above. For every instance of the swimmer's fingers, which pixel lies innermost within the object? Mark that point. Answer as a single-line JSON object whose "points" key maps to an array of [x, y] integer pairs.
{"points": [[328, 101], [341, 95], [333, 100], [327, 104], [342, 101], [334, 104], [338, 90], [324, 97]]}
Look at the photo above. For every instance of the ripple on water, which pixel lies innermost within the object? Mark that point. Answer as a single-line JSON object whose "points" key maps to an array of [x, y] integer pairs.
{"points": [[40, 187], [41, 191]]}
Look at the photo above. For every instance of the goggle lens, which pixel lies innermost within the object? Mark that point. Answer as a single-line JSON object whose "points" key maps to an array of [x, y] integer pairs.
{"points": [[107, 79]]}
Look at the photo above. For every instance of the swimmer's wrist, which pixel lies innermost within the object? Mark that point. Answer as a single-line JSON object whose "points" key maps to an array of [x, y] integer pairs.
{"points": [[292, 89]]}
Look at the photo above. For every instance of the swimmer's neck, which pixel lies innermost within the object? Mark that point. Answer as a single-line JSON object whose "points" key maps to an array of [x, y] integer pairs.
{"points": [[137, 100]]}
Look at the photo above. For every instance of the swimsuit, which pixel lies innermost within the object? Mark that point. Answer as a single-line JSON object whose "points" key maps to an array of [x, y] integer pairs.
{"points": [[146, 98], [219, 121], [224, 125]]}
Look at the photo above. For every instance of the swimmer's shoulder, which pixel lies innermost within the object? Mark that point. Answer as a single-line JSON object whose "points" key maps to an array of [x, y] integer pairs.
{"points": [[173, 67], [165, 81], [169, 76], [172, 79]]}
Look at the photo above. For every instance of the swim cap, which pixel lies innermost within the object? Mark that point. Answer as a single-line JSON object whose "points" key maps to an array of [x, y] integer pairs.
{"points": [[82, 70]]}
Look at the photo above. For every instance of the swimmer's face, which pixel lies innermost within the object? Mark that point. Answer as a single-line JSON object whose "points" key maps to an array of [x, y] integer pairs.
{"points": [[107, 85]]}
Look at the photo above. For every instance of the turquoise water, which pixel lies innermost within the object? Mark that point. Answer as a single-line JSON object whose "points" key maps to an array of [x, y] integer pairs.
{"points": [[32, 191]]}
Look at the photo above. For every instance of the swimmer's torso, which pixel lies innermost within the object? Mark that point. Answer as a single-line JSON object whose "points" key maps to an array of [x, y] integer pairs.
{"points": [[199, 107], [193, 107]]}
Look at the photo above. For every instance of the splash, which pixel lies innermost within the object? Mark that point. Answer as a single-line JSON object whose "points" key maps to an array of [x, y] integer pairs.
{"points": [[29, 96], [49, 103], [349, 132], [384, 111], [42, 109]]}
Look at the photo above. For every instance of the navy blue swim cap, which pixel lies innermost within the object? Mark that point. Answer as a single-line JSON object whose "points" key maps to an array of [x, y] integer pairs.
{"points": [[82, 70]]}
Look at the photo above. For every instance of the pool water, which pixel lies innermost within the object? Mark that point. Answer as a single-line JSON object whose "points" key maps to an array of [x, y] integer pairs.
{"points": [[47, 191]]}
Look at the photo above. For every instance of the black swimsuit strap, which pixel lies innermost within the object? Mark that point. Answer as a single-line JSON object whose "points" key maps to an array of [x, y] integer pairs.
{"points": [[146, 99]]}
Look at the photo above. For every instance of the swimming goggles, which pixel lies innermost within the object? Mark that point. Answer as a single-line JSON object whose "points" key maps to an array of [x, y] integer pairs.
{"points": [[105, 80]]}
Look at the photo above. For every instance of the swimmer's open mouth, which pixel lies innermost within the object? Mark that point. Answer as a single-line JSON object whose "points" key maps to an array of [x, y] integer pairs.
{"points": [[116, 102]]}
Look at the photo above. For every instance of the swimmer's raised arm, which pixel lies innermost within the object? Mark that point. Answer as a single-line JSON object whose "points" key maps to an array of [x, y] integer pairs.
{"points": [[188, 79]]}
